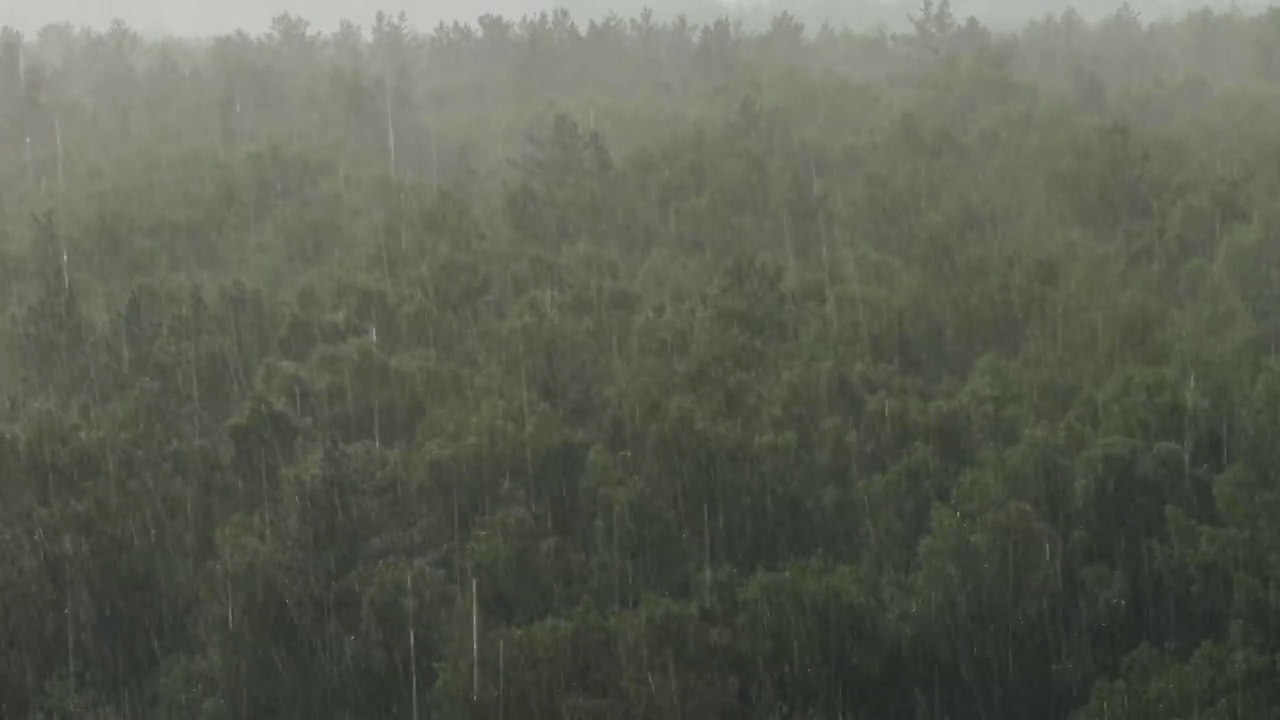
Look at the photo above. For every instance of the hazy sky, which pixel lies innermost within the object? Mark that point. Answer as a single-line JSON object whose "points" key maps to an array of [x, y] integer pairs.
{"points": [[216, 16], [210, 17]]}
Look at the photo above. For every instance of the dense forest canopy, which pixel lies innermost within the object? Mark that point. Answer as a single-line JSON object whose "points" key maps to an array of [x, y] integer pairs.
{"points": [[642, 368]]}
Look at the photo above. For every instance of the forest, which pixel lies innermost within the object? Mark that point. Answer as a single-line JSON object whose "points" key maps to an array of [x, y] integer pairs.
{"points": [[535, 369]]}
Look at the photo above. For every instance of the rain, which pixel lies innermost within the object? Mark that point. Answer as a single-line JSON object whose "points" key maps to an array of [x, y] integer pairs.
{"points": [[704, 359]]}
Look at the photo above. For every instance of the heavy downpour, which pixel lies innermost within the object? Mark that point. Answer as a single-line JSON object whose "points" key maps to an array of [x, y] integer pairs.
{"points": [[714, 360]]}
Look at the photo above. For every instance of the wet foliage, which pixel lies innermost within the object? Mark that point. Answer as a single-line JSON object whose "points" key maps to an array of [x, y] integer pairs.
{"points": [[642, 370]]}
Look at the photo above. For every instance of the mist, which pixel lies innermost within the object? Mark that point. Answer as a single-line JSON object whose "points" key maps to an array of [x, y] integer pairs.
{"points": [[199, 18], [855, 360]]}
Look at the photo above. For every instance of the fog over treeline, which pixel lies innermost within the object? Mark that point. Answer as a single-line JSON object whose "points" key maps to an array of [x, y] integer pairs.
{"points": [[202, 18], [641, 368]]}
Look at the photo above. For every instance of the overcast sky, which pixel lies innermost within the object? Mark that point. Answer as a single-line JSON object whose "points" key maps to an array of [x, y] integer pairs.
{"points": [[215, 16], [211, 17]]}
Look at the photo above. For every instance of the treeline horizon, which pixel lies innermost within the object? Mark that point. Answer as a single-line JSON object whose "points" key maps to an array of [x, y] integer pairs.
{"points": [[642, 368], [178, 21]]}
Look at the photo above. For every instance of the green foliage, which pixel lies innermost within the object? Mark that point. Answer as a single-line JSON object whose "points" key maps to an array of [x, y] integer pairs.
{"points": [[641, 370]]}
